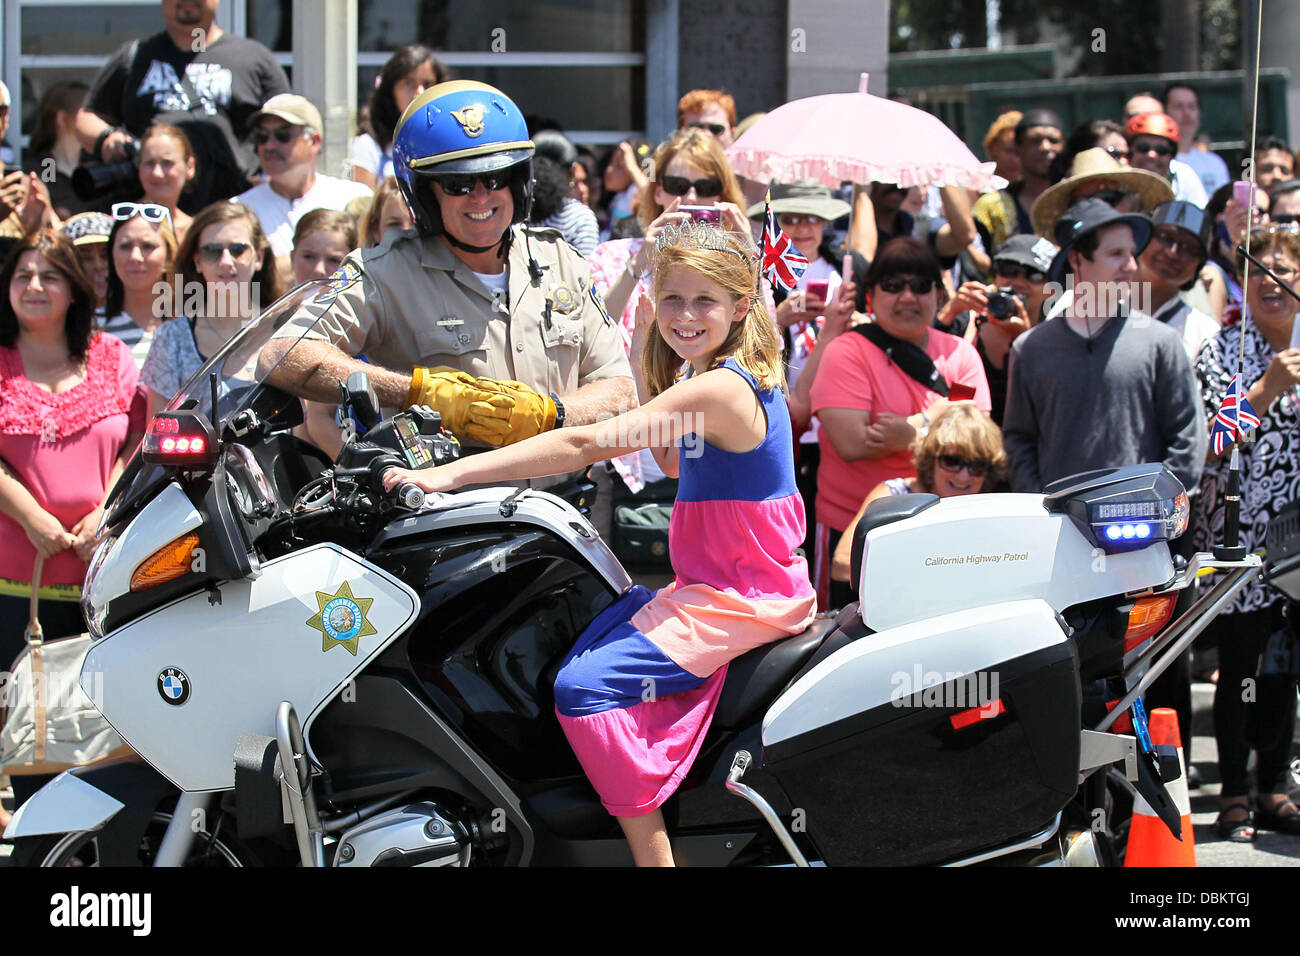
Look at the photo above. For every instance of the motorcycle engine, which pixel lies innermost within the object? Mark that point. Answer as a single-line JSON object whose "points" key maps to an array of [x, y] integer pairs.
{"points": [[420, 834]]}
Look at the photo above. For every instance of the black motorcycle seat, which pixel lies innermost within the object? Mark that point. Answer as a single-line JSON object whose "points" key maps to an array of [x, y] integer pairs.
{"points": [[755, 678]]}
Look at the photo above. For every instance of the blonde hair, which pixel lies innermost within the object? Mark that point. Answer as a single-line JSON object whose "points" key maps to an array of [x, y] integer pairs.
{"points": [[965, 431], [370, 233], [717, 255], [699, 148]]}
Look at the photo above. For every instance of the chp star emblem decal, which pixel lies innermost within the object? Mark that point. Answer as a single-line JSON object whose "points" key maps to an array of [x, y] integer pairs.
{"points": [[342, 619]]}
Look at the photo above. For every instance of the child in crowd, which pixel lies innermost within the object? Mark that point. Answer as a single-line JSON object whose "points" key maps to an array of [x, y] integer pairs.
{"points": [[723, 428]]}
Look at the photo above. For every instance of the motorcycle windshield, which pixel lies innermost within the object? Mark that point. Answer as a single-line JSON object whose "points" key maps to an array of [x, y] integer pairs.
{"points": [[243, 363], [241, 367]]}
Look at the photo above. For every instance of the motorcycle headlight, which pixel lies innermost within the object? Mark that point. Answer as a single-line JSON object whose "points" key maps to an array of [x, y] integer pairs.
{"points": [[95, 616]]}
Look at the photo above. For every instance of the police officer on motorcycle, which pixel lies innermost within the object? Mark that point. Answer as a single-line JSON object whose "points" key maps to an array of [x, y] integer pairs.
{"points": [[500, 325]]}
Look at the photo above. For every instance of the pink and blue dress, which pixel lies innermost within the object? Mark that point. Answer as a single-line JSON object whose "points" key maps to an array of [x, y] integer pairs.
{"points": [[637, 693]]}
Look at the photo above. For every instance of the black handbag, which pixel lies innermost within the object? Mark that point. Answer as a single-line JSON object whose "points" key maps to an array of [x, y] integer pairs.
{"points": [[640, 527]]}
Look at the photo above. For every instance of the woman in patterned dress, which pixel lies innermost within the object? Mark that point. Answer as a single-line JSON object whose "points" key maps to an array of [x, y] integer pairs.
{"points": [[1270, 479]]}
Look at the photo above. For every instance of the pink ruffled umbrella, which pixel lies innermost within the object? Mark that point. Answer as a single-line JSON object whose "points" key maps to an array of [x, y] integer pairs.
{"points": [[860, 138]]}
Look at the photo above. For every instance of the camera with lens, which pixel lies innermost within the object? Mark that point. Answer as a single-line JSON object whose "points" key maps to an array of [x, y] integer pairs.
{"points": [[106, 179], [1002, 304]]}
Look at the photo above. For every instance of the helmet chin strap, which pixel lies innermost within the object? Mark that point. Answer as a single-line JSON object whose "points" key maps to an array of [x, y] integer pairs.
{"points": [[501, 245]]}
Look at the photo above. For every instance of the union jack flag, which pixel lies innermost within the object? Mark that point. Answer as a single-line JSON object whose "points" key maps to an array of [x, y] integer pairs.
{"points": [[782, 263], [1234, 419]]}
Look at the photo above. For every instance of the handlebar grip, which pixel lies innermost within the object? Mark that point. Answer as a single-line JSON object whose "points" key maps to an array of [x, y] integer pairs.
{"points": [[411, 496]]}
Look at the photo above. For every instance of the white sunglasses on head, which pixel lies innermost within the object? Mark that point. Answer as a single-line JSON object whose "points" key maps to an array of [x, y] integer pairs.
{"points": [[148, 211]]}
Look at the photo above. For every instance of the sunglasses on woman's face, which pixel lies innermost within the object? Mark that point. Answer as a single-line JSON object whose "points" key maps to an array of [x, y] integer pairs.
{"points": [[894, 285], [955, 463], [717, 129], [211, 252], [1015, 270], [791, 221], [706, 188], [462, 184], [281, 134]]}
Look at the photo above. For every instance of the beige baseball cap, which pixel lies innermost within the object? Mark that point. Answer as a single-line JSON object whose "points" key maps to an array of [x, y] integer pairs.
{"points": [[291, 108]]}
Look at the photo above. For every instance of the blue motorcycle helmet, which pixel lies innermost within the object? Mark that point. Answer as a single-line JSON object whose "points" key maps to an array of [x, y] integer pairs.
{"points": [[461, 126]]}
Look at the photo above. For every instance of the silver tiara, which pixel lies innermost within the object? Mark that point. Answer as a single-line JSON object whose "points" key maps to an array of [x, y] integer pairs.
{"points": [[692, 234]]}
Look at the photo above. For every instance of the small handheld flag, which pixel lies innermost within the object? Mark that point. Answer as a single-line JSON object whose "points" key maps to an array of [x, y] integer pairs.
{"points": [[782, 263], [1235, 417]]}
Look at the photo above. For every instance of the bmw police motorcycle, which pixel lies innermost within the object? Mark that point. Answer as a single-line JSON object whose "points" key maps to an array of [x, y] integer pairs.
{"points": [[313, 671]]}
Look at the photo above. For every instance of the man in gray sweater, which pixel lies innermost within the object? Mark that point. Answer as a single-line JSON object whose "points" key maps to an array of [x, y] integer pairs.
{"points": [[1100, 384]]}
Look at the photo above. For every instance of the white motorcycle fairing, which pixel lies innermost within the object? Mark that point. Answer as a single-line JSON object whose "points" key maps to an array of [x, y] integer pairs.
{"points": [[976, 550], [298, 632], [64, 805]]}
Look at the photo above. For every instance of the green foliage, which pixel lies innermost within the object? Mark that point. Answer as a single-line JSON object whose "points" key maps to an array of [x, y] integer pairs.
{"points": [[916, 25]]}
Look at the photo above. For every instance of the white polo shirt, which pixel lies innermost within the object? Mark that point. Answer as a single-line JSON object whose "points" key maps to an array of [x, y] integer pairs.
{"points": [[279, 216]]}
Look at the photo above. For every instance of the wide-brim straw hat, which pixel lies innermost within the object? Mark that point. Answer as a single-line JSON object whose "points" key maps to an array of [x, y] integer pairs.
{"points": [[1089, 166], [803, 197]]}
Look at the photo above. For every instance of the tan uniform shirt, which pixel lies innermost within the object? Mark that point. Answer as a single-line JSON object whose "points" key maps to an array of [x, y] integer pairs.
{"points": [[412, 302]]}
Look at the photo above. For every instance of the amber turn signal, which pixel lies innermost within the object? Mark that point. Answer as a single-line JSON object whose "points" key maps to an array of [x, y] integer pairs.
{"points": [[166, 564], [1148, 616]]}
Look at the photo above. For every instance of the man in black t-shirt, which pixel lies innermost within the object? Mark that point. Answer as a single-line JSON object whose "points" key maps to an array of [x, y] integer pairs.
{"points": [[193, 75]]}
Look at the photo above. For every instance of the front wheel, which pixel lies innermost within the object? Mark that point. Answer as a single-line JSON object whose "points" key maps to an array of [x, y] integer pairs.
{"points": [[82, 849]]}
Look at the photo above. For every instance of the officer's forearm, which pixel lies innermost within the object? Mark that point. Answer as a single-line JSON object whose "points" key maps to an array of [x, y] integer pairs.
{"points": [[599, 400], [314, 369]]}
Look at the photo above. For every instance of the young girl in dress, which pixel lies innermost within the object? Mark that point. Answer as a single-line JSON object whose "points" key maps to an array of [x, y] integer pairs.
{"points": [[637, 692]]}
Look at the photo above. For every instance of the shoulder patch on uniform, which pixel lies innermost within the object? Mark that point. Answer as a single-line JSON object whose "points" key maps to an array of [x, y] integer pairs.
{"points": [[600, 304], [346, 276]]}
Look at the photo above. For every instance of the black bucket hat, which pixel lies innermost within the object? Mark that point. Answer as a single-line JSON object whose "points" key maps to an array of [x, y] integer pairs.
{"points": [[1086, 217], [1190, 218]]}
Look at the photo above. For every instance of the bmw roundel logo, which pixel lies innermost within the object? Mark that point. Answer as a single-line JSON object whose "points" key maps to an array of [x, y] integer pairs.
{"points": [[174, 686]]}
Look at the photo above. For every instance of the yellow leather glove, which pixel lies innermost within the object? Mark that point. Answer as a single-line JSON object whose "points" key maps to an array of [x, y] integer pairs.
{"points": [[470, 407], [531, 414]]}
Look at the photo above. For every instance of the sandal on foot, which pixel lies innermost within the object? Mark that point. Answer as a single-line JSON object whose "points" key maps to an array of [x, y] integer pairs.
{"points": [[1239, 829], [1277, 819]]}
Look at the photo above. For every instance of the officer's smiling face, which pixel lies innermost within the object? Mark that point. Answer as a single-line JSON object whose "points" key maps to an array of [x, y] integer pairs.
{"points": [[478, 219]]}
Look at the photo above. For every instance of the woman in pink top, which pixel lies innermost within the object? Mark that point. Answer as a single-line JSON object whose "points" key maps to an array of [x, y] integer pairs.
{"points": [[870, 410], [66, 398]]}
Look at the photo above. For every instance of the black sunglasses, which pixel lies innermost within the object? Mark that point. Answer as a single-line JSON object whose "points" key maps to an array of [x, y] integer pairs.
{"points": [[1015, 270], [1111, 197], [1284, 220], [705, 188], [462, 184], [1160, 148], [1184, 247], [955, 463], [281, 134], [211, 252], [717, 129], [920, 285]]}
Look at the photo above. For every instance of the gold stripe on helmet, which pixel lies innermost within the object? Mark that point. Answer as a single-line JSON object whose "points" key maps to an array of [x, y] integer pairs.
{"points": [[483, 150]]}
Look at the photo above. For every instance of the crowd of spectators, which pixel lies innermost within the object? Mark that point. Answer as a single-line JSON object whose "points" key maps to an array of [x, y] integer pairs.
{"points": [[1081, 317]]}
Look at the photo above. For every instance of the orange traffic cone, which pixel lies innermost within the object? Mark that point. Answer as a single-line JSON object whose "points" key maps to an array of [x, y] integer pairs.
{"points": [[1149, 841]]}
